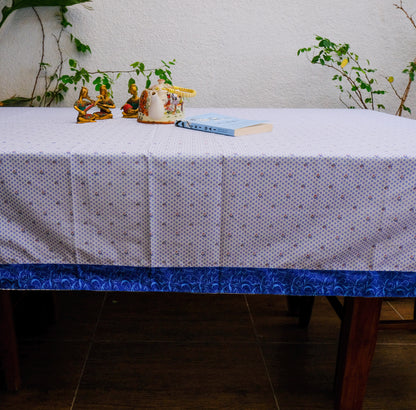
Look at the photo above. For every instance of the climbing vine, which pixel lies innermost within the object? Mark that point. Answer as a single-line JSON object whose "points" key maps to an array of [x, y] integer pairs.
{"points": [[358, 79], [51, 83]]}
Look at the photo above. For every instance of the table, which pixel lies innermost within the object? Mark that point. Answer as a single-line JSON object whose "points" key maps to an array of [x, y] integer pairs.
{"points": [[323, 205]]}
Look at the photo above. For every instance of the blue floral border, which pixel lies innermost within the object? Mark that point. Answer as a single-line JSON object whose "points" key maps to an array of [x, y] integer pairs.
{"points": [[209, 280]]}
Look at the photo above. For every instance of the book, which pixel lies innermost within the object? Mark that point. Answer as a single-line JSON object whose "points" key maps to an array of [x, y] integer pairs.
{"points": [[223, 124]]}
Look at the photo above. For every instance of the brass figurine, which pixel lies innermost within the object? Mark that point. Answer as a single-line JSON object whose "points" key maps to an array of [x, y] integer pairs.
{"points": [[82, 105], [131, 107], [105, 104]]}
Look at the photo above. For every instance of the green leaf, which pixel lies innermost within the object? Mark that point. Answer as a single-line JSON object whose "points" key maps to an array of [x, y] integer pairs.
{"points": [[81, 47], [325, 43], [64, 21], [72, 63], [148, 82], [107, 82], [66, 79], [14, 101], [85, 74], [63, 87]]}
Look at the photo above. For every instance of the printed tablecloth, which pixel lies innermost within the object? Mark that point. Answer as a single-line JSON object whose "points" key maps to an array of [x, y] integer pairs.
{"points": [[325, 204]]}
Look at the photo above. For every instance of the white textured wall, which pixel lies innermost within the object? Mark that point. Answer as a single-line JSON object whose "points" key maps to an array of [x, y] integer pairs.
{"points": [[234, 53]]}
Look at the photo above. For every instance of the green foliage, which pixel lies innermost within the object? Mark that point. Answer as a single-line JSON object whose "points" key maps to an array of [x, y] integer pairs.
{"points": [[15, 101], [81, 47], [101, 77], [58, 84], [352, 77], [20, 4], [360, 81], [410, 70]]}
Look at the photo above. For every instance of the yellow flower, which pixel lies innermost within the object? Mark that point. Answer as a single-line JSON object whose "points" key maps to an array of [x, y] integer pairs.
{"points": [[390, 79], [344, 62]]}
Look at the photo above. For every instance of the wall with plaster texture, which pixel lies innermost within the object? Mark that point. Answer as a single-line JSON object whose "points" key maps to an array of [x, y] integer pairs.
{"points": [[239, 53]]}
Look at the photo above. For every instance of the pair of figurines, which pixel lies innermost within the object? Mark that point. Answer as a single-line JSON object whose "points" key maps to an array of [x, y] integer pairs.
{"points": [[85, 103]]}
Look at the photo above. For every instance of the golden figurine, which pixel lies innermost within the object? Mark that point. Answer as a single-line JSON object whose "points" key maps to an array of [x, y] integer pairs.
{"points": [[131, 107], [105, 104], [82, 105]]}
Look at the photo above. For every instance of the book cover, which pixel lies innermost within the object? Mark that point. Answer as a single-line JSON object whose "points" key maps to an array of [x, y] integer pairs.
{"points": [[223, 124]]}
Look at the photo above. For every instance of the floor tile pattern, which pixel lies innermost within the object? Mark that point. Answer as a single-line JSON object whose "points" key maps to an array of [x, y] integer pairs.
{"points": [[185, 351]]}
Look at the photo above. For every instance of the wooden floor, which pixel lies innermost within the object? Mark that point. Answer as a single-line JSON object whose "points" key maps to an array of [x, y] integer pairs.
{"points": [[180, 351]]}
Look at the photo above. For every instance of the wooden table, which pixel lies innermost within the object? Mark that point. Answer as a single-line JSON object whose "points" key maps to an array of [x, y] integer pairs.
{"points": [[323, 205]]}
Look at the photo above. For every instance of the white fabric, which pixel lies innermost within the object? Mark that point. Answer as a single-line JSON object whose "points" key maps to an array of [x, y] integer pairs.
{"points": [[327, 189]]}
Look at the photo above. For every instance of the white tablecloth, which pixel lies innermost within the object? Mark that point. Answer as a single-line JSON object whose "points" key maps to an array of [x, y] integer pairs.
{"points": [[327, 189]]}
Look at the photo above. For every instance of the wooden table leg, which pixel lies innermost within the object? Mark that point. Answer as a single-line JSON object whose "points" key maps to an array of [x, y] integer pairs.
{"points": [[357, 343], [8, 343], [301, 306]]}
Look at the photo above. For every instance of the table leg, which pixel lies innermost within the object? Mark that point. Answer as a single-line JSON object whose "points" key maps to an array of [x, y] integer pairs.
{"points": [[357, 343], [301, 306], [8, 343]]}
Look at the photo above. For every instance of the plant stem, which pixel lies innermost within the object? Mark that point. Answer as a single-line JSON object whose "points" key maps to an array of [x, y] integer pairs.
{"points": [[118, 71], [400, 7], [58, 71], [409, 83], [366, 77], [42, 56], [361, 102], [405, 95]]}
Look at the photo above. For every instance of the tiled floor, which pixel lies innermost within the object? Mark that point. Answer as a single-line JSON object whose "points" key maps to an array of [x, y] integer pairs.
{"points": [[182, 351]]}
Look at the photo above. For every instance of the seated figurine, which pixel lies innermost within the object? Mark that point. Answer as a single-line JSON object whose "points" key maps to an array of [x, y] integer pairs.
{"points": [[131, 107], [104, 103], [82, 105]]}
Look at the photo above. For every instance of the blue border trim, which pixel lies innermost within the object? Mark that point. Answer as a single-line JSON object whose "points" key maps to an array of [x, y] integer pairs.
{"points": [[209, 280]]}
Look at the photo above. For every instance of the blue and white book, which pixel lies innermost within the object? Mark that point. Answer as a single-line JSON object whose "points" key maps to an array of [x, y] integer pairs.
{"points": [[223, 124]]}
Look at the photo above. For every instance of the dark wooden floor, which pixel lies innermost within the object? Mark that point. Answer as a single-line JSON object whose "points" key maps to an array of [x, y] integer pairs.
{"points": [[180, 351]]}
